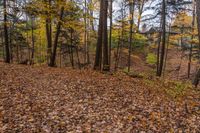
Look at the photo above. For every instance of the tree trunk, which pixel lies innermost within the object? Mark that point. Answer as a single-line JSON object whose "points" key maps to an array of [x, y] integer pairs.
{"points": [[110, 36], [49, 33], [86, 34], [53, 55], [106, 66], [197, 75], [117, 54], [162, 55], [102, 41], [7, 50], [98, 57], [166, 56], [132, 5], [33, 41], [192, 37]]}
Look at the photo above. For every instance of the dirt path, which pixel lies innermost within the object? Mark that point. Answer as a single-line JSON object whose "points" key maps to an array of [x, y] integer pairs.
{"points": [[54, 100]]}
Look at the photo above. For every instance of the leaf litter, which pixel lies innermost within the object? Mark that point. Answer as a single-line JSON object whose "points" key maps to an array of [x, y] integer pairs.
{"points": [[42, 99]]}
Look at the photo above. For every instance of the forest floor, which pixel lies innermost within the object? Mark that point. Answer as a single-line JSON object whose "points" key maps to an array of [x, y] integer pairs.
{"points": [[42, 99]]}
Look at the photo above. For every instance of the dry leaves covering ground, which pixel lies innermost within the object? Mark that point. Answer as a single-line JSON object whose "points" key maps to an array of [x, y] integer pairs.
{"points": [[53, 100]]}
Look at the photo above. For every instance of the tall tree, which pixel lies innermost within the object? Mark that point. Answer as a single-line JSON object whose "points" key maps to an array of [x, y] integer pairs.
{"points": [[86, 34], [6, 37], [102, 42], [192, 37], [162, 54], [197, 75], [131, 8], [48, 31], [110, 35], [58, 28]]}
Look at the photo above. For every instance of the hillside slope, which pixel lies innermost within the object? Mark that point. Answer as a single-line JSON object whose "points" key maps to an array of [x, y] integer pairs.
{"points": [[41, 99]]}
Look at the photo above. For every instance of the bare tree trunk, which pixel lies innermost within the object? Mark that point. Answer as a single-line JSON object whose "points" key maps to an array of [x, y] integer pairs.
{"points": [[53, 55], [85, 34], [102, 42], [49, 33], [7, 59], [98, 57], [2, 42], [91, 14], [106, 66], [158, 49], [132, 5], [192, 37], [117, 54], [71, 48], [110, 36], [166, 56], [33, 41], [197, 76], [163, 39]]}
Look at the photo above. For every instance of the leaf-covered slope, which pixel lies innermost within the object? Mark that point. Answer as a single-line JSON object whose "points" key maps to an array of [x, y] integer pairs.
{"points": [[41, 99]]}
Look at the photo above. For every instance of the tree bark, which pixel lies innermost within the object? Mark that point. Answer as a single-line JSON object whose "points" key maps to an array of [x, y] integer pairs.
{"points": [[106, 66], [192, 37], [197, 75], [33, 41], [110, 36], [132, 5], [98, 57], [6, 38], [162, 55], [102, 42]]}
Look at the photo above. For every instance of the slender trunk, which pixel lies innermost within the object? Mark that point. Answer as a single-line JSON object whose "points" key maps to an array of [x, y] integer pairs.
{"points": [[110, 32], [132, 5], [71, 48], [10, 42], [85, 34], [166, 56], [33, 41], [2, 42], [158, 48], [49, 33], [106, 66], [122, 31], [197, 76], [7, 59], [163, 39], [91, 15], [192, 37], [53, 55], [117, 54]]}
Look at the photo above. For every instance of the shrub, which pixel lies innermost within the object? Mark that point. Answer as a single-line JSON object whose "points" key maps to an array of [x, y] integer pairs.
{"points": [[151, 59]]}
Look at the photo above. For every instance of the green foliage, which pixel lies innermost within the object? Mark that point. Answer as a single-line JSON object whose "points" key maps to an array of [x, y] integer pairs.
{"points": [[151, 59], [176, 89], [139, 40]]}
